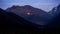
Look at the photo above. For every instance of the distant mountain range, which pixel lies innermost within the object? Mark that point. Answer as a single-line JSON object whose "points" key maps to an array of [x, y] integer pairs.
{"points": [[30, 13]]}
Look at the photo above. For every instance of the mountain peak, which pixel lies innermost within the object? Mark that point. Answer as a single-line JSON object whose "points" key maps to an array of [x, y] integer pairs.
{"points": [[27, 9], [28, 6], [21, 6]]}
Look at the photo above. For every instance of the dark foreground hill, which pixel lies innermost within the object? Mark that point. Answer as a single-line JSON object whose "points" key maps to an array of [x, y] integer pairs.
{"points": [[14, 24]]}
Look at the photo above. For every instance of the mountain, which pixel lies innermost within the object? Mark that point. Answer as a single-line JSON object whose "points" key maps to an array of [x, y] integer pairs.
{"points": [[55, 10], [56, 16], [30, 13], [12, 23], [9, 19], [26, 9]]}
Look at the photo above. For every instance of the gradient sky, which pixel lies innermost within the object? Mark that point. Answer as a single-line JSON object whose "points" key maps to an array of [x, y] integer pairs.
{"points": [[41, 4]]}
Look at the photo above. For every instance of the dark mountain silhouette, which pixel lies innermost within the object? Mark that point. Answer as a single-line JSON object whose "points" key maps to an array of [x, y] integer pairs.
{"points": [[12, 22], [30, 13], [12, 19]]}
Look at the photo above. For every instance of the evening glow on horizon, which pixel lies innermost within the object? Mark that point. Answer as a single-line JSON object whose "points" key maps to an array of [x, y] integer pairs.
{"points": [[41, 4]]}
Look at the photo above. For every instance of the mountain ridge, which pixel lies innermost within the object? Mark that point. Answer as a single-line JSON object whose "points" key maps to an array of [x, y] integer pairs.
{"points": [[27, 10]]}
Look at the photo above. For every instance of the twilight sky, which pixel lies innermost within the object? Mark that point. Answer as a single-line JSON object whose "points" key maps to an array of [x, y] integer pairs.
{"points": [[41, 4]]}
